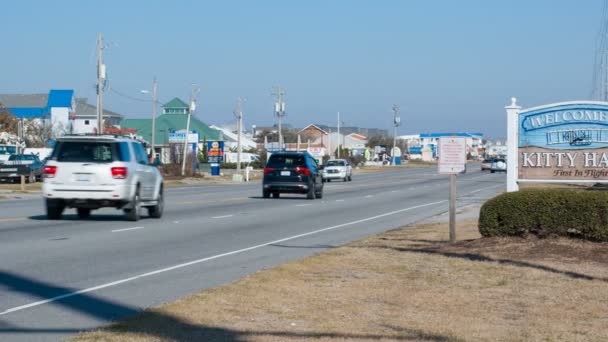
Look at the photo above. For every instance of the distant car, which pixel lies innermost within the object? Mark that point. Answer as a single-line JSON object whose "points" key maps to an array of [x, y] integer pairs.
{"points": [[92, 172], [499, 165], [337, 169], [292, 172], [18, 165], [486, 164]]}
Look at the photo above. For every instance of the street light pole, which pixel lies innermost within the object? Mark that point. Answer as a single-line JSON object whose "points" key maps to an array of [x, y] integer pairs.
{"points": [[396, 122], [154, 100], [238, 112], [191, 109], [279, 108]]}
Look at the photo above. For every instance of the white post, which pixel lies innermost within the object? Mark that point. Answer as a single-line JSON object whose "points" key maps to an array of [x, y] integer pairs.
{"points": [[512, 144]]}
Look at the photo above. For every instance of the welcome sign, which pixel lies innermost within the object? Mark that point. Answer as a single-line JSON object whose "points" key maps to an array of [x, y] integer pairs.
{"points": [[566, 141]]}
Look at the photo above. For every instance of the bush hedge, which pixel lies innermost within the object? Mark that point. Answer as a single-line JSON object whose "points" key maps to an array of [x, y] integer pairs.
{"points": [[544, 212]]}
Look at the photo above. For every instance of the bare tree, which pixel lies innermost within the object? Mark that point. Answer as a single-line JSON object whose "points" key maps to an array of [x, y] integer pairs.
{"points": [[8, 123]]}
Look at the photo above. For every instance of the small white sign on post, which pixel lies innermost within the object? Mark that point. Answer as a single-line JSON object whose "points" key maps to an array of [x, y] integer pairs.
{"points": [[452, 155], [452, 161]]}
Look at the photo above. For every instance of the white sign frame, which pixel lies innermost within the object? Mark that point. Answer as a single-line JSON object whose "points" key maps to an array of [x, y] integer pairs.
{"points": [[452, 155]]}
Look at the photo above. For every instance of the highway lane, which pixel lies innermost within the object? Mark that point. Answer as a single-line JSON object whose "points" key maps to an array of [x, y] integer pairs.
{"points": [[209, 236]]}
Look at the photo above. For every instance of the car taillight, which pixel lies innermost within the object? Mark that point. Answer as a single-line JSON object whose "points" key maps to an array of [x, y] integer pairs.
{"points": [[49, 171], [119, 172], [303, 170], [268, 170]]}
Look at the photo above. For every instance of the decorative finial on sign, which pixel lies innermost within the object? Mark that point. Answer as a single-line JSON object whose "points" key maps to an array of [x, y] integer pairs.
{"points": [[513, 102]]}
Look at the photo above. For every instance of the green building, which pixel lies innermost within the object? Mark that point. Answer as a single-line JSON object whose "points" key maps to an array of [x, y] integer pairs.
{"points": [[173, 118]]}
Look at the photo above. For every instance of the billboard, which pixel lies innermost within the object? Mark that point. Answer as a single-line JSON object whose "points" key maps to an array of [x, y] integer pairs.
{"points": [[563, 142], [178, 137], [215, 152]]}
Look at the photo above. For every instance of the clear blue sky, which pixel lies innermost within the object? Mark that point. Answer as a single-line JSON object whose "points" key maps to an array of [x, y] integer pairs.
{"points": [[450, 65]]}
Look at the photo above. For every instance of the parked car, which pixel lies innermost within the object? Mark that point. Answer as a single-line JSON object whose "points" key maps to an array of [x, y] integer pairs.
{"points": [[292, 172], [337, 169], [18, 165], [486, 164], [499, 165], [92, 172]]}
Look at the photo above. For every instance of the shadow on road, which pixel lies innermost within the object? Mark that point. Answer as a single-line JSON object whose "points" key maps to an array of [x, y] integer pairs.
{"points": [[158, 325], [93, 217]]}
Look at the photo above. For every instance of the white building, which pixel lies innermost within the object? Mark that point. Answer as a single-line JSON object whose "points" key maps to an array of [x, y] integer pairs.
{"points": [[84, 120]]}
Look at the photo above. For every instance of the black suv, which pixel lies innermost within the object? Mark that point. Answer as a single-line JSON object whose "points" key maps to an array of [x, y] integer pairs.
{"points": [[294, 173]]}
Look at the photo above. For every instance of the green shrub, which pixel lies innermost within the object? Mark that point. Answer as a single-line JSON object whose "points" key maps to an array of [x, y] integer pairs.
{"points": [[544, 212]]}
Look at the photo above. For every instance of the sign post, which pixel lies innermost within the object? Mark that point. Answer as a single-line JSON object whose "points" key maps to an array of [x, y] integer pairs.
{"points": [[452, 161]]}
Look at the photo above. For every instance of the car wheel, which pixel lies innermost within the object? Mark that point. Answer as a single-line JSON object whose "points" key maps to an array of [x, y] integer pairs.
{"points": [[54, 209], [157, 210], [329, 181], [133, 212], [311, 192], [350, 178], [265, 193], [492, 171], [83, 213], [276, 195]]}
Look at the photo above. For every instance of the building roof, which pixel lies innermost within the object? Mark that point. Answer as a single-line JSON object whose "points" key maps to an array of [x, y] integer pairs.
{"points": [[313, 126], [176, 103], [28, 113], [167, 123], [84, 109], [60, 98], [357, 136], [24, 100], [229, 135], [439, 135]]}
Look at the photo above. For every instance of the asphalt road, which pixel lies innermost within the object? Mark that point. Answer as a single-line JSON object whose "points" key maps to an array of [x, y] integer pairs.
{"points": [[58, 278]]}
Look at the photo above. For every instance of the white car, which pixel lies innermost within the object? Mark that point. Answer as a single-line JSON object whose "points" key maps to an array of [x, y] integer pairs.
{"points": [[92, 172], [337, 169]]}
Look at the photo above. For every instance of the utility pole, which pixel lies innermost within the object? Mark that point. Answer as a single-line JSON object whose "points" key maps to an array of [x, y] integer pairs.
{"points": [[339, 139], [154, 101], [396, 122], [101, 76], [190, 111], [238, 112], [279, 109]]}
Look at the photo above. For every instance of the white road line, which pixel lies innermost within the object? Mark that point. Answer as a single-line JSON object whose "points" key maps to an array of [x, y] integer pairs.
{"points": [[194, 262], [395, 191], [339, 200], [124, 230], [221, 217], [369, 196], [486, 188], [303, 205]]}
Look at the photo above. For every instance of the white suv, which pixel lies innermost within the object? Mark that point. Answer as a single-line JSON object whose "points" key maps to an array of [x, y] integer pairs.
{"points": [[92, 172], [337, 169]]}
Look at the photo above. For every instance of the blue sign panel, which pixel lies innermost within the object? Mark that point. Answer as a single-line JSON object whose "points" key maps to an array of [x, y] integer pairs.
{"points": [[215, 152], [564, 141]]}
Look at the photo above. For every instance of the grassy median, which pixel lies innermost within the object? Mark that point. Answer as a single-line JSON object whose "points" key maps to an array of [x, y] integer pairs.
{"points": [[406, 284]]}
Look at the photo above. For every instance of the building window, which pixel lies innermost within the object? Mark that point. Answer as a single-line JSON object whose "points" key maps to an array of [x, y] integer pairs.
{"points": [[86, 122]]}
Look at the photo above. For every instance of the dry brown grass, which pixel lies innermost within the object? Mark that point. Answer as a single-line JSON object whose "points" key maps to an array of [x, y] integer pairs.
{"points": [[17, 187], [406, 284]]}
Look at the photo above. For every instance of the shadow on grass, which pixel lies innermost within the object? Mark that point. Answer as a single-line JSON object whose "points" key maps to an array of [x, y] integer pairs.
{"points": [[151, 323], [483, 258]]}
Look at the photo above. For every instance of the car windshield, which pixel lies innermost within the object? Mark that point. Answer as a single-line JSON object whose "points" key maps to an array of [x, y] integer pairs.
{"points": [[289, 161], [8, 150], [336, 163], [22, 157], [79, 151]]}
